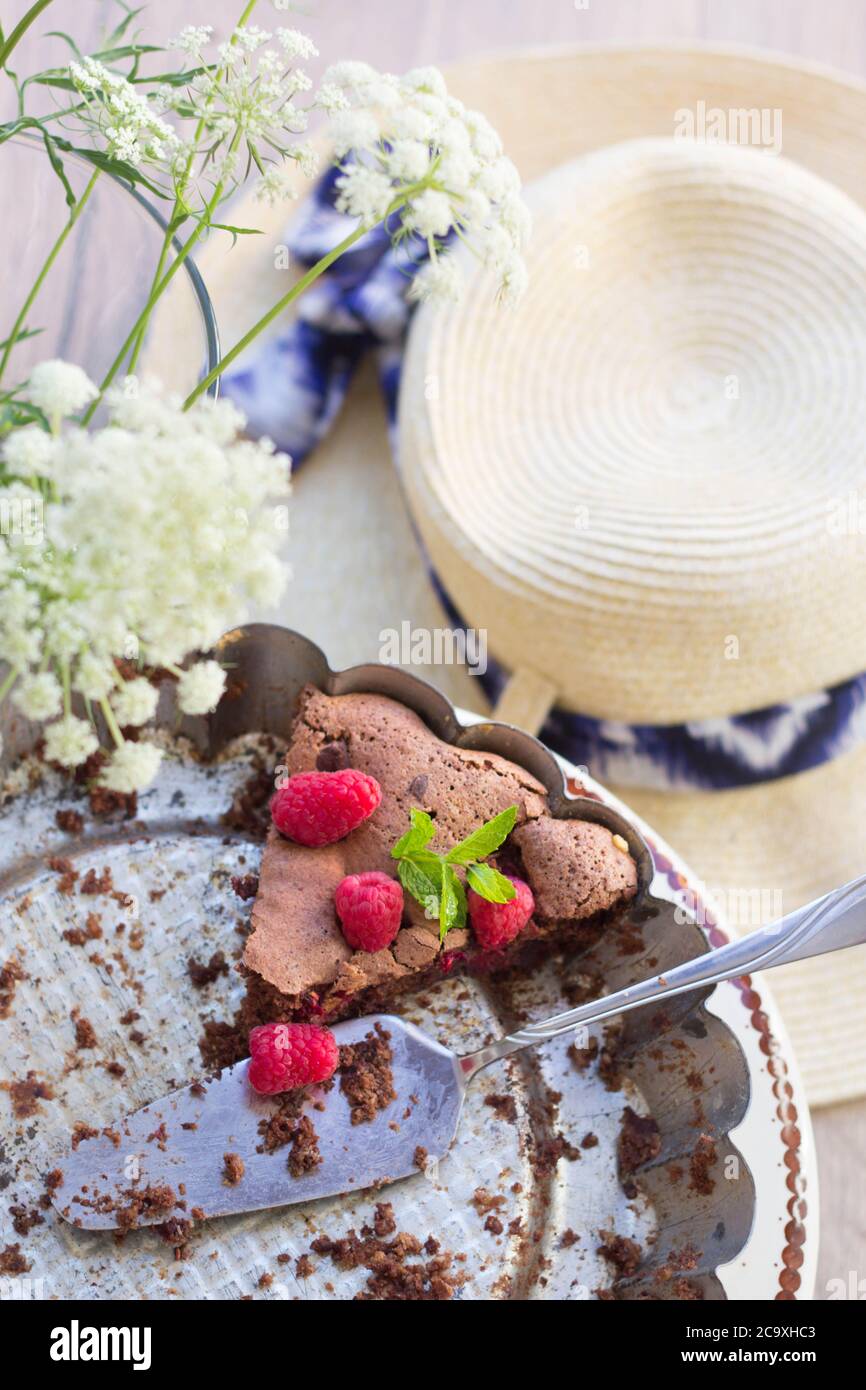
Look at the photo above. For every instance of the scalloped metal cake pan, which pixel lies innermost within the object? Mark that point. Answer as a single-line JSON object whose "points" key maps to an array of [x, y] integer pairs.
{"points": [[268, 666]]}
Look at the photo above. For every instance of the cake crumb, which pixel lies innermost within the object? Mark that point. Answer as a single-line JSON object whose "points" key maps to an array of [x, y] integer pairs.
{"points": [[233, 1169], [304, 1155], [702, 1160], [504, 1106], [623, 1254], [12, 1261], [202, 974], [639, 1140], [366, 1075]]}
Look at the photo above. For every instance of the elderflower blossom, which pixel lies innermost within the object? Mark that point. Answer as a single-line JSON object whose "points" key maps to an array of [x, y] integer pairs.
{"points": [[410, 150], [160, 529]]}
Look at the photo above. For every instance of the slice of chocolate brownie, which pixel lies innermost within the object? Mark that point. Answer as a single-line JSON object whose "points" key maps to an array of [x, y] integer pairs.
{"points": [[298, 962]]}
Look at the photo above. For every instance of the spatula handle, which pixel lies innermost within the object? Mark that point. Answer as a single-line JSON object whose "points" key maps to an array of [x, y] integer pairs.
{"points": [[828, 924]]}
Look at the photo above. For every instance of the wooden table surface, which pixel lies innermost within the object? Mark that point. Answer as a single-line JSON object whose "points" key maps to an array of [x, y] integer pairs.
{"points": [[397, 34]]}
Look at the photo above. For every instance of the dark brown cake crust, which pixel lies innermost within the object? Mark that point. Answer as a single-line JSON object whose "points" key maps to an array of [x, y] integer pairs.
{"points": [[296, 954]]}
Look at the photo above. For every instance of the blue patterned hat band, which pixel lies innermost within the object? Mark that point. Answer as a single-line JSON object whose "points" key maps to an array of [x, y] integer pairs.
{"points": [[292, 389]]}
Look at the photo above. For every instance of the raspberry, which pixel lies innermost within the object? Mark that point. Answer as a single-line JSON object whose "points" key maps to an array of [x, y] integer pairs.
{"points": [[285, 1055], [495, 924], [318, 808], [369, 907]]}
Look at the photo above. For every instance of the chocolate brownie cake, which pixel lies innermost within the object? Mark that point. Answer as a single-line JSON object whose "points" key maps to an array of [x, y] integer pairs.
{"points": [[298, 962]]}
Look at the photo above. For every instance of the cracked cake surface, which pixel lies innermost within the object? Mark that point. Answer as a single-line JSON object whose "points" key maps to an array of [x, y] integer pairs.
{"points": [[296, 945]]}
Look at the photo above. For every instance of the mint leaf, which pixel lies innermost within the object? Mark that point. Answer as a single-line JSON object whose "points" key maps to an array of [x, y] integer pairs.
{"points": [[432, 879], [485, 840], [422, 832], [422, 887], [452, 906], [489, 883]]}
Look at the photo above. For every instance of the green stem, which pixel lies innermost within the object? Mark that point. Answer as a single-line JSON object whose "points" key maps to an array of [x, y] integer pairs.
{"points": [[406, 194], [21, 29], [8, 684], [297, 289], [111, 722], [144, 317], [49, 262], [178, 204], [166, 245]]}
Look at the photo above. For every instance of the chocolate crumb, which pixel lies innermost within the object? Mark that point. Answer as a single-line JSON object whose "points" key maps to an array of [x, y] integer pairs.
{"points": [[620, 1252], [639, 1141], [233, 1169], [26, 1094], [702, 1160], [12, 1261], [96, 885], [396, 1273], [305, 1155], [24, 1219], [85, 1034], [246, 887], [202, 974], [505, 1107], [11, 976], [70, 822], [366, 1075], [384, 1222]]}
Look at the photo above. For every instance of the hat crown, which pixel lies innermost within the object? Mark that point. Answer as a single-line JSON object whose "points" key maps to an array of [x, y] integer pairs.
{"points": [[645, 481]]}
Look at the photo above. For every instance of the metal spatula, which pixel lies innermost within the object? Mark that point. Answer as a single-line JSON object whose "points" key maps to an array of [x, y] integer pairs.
{"points": [[180, 1141]]}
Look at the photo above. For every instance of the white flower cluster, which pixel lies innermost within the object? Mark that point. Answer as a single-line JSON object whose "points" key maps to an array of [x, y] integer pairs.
{"points": [[230, 109], [414, 151], [159, 530], [130, 126]]}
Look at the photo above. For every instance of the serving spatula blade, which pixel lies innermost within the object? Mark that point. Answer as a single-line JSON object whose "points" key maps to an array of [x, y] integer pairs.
{"points": [[180, 1140]]}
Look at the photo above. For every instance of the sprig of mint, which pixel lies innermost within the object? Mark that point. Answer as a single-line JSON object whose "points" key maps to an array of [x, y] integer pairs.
{"points": [[432, 879]]}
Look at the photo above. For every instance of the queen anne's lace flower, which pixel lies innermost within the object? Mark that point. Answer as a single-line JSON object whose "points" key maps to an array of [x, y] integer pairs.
{"points": [[29, 453], [123, 114], [38, 696], [134, 703], [232, 109], [131, 767], [200, 689], [69, 741], [411, 150], [60, 388], [160, 530]]}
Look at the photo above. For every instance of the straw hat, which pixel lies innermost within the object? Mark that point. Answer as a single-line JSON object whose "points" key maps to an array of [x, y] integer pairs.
{"points": [[651, 549]]}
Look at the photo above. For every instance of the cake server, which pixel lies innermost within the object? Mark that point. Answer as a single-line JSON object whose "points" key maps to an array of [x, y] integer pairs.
{"points": [[180, 1141]]}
